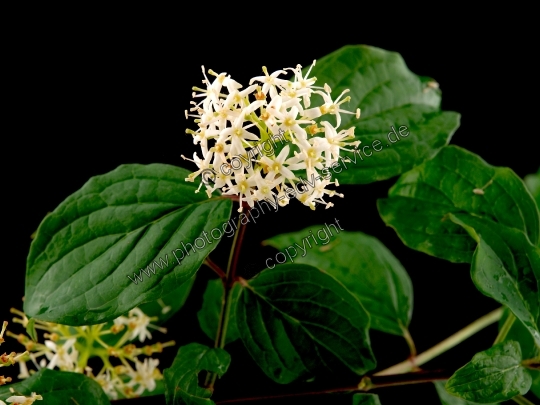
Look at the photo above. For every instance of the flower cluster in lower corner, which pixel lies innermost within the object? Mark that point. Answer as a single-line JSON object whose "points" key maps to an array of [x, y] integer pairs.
{"points": [[120, 371], [227, 118], [22, 399]]}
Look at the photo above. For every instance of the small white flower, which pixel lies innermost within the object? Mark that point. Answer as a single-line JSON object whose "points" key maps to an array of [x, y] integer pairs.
{"points": [[4, 326], [145, 375], [270, 81], [138, 322], [332, 107], [23, 371], [65, 356], [277, 166], [22, 400], [108, 384]]}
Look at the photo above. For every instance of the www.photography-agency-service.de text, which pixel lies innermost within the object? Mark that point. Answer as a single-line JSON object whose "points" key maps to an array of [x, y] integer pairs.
{"points": [[208, 176], [229, 227]]}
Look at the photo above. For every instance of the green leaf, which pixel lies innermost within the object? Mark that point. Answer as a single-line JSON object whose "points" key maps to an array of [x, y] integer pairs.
{"points": [[420, 202], [447, 205], [181, 379], [296, 319], [366, 399], [390, 97], [363, 264], [506, 267], [447, 399], [533, 184], [31, 329], [209, 314], [169, 304], [59, 388], [520, 334], [535, 387], [87, 261], [493, 375]]}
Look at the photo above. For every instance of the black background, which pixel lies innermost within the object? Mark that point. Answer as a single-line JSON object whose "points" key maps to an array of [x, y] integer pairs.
{"points": [[91, 96]]}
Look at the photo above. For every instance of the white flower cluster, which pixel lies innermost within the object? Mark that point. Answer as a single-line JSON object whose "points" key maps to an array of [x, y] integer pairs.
{"points": [[6, 360], [63, 345], [279, 108], [22, 399]]}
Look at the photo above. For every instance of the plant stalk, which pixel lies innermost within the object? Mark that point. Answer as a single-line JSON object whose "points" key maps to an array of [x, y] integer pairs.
{"points": [[521, 400], [507, 325], [445, 345], [230, 276]]}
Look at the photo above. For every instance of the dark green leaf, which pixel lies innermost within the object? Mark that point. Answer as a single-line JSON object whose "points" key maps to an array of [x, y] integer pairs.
{"points": [[513, 286], [169, 304], [420, 202], [59, 388], [533, 183], [447, 399], [181, 379], [209, 314], [366, 399], [363, 264], [296, 319], [520, 334], [493, 375], [445, 206], [535, 387], [390, 97], [87, 261]]}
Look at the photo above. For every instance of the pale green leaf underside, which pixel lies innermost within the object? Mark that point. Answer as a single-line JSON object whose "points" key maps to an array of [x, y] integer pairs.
{"points": [[296, 319], [447, 399], [59, 388], [181, 379], [510, 280], [493, 375], [114, 226], [362, 264], [389, 95]]}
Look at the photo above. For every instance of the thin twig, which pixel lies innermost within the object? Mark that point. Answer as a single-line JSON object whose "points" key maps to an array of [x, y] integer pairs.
{"points": [[367, 383], [445, 345], [210, 263]]}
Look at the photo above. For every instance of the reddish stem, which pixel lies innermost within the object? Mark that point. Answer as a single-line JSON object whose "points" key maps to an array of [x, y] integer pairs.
{"points": [[367, 383], [210, 263], [236, 254]]}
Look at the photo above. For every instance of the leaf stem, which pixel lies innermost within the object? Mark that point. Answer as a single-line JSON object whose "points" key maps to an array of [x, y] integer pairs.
{"points": [[210, 263], [409, 340], [445, 345], [507, 325], [231, 273], [228, 282], [521, 400], [226, 319]]}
